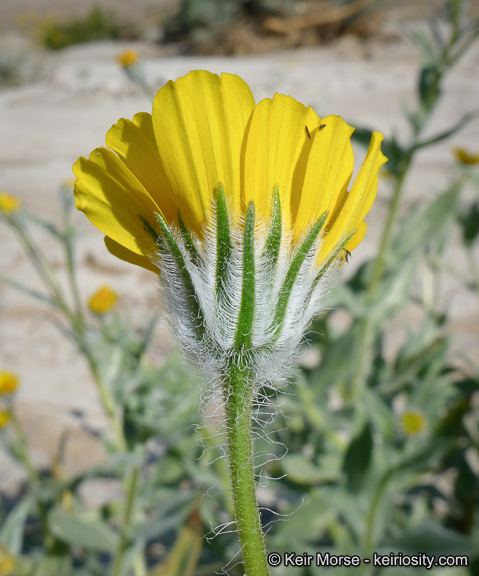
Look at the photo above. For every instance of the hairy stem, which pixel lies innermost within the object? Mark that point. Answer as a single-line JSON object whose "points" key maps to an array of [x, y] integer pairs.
{"points": [[238, 394]]}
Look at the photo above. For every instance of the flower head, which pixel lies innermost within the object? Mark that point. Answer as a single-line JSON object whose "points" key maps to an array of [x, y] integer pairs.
{"points": [[8, 203], [5, 418], [242, 207], [127, 58], [103, 300], [464, 156], [412, 422], [8, 382]]}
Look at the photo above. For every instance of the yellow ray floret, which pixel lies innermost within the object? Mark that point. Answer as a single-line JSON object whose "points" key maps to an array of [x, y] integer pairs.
{"points": [[206, 129]]}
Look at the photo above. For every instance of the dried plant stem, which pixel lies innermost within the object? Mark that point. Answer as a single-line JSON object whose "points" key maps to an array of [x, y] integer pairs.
{"points": [[238, 393]]}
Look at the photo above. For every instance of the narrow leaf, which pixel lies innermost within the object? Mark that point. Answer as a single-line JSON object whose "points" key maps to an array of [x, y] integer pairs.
{"points": [[188, 242], [224, 246], [294, 269], [447, 133], [273, 242], [74, 529], [357, 459], [193, 304], [27, 290], [244, 330]]}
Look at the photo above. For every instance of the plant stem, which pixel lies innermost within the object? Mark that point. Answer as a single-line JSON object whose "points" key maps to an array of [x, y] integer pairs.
{"points": [[107, 400], [131, 489], [238, 396], [363, 344]]}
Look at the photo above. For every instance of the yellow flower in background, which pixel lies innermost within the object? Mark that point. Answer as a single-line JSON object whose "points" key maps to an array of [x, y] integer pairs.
{"points": [[103, 300], [8, 382], [412, 422], [127, 58], [205, 130], [8, 203], [464, 156], [7, 561], [5, 418]]}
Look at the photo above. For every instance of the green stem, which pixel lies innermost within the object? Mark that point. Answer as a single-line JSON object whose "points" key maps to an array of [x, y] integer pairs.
{"points": [[363, 343], [118, 567], [107, 400], [238, 395], [73, 283], [371, 520]]}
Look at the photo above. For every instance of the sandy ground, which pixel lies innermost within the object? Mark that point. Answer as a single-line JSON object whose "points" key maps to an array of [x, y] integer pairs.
{"points": [[81, 92]]}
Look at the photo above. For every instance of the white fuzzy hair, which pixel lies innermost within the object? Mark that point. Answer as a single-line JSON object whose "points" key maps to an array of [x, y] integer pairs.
{"points": [[273, 355]]}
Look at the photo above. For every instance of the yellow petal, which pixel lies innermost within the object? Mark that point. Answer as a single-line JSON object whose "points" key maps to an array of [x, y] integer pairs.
{"points": [[128, 256], [277, 144], [199, 123], [113, 199], [328, 172], [134, 142], [357, 238], [358, 201]]}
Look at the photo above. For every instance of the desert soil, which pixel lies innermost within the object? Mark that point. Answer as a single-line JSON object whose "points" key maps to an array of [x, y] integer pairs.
{"points": [[80, 92]]}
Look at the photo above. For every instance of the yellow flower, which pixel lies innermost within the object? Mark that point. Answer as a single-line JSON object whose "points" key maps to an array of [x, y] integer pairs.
{"points": [[103, 300], [7, 561], [8, 382], [127, 58], [464, 156], [205, 130], [412, 422], [8, 204], [5, 418]]}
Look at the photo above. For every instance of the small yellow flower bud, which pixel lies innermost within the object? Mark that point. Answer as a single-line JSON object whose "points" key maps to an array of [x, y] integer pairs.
{"points": [[8, 204], [127, 58], [412, 423], [8, 382], [464, 156], [103, 300], [5, 418]]}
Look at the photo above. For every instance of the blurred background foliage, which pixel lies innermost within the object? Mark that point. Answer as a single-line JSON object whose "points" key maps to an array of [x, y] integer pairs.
{"points": [[245, 26], [368, 452], [220, 26]]}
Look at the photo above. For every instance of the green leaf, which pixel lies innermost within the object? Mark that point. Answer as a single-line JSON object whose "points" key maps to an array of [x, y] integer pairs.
{"points": [[357, 459], [469, 221], [394, 291], [75, 529], [423, 42], [429, 85], [27, 290], [294, 269], [447, 133], [173, 248], [12, 529], [428, 225], [381, 415], [54, 565], [273, 242], [432, 538], [224, 246], [244, 330], [188, 242], [302, 471]]}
